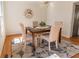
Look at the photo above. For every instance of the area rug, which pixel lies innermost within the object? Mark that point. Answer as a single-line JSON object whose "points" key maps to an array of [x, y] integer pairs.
{"points": [[65, 50]]}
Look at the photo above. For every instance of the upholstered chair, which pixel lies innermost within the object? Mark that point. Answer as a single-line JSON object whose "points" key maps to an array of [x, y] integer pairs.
{"points": [[35, 24], [60, 24], [25, 37], [53, 36]]}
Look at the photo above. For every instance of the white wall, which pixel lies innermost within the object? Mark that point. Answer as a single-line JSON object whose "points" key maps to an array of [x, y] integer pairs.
{"points": [[14, 14], [61, 11]]}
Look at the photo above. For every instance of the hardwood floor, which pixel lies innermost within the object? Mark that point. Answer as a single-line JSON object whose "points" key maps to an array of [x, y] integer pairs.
{"points": [[7, 44], [74, 40]]}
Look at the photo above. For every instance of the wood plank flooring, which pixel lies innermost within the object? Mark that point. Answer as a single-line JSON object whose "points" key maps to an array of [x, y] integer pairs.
{"points": [[7, 44]]}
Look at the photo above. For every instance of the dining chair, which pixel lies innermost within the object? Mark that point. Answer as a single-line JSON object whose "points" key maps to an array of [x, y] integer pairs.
{"points": [[52, 37], [35, 24], [25, 37], [59, 23]]}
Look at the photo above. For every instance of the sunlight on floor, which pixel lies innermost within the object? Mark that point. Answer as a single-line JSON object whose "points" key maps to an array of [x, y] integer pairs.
{"points": [[17, 40]]}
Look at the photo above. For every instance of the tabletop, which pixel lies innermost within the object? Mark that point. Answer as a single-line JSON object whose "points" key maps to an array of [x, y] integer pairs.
{"points": [[39, 29]]}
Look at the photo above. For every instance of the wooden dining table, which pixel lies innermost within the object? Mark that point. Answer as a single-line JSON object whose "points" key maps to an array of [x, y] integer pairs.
{"points": [[39, 30]]}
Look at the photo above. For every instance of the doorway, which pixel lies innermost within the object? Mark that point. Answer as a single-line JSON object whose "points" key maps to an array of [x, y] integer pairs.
{"points": [[76, 21]]}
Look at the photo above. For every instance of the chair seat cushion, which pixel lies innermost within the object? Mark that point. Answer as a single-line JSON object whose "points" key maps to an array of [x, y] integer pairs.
{"points": [[46, 37], [29, 38]]}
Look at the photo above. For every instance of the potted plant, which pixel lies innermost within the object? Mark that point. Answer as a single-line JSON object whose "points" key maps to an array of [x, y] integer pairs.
{"points": [[42, 23]]}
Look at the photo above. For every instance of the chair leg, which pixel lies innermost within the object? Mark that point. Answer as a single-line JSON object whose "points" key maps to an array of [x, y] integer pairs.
{"points": [[36, 42], [56, 43], [49, 48]]}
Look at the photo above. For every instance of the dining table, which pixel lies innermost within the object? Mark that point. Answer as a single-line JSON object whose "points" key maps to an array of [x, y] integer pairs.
{"points": [[39, 30]]}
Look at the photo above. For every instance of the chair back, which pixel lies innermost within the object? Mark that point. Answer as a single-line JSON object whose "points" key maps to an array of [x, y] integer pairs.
{"points": [[35, 24], [59, 23], [23, 30], [54, 33]]}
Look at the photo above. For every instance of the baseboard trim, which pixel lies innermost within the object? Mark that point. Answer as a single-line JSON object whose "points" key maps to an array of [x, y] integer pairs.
{"points": [[66, 36], [17, 34], [13, 34]]}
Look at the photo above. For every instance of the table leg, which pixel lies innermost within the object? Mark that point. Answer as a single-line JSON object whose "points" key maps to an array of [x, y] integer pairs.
{"points": [[33, 43], [26, 30], [40, 40], [60, 35]]}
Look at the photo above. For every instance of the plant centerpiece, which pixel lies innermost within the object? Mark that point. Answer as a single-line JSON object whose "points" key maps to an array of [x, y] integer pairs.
{"points": [[42, 23]]}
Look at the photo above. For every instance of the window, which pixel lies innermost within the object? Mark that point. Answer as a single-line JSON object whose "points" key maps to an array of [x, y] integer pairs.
{"points": [[2, 28], [1, 19]]}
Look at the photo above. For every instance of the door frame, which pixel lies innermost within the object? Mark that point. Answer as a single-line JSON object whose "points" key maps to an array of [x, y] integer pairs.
{"points": [[73, 17]]}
